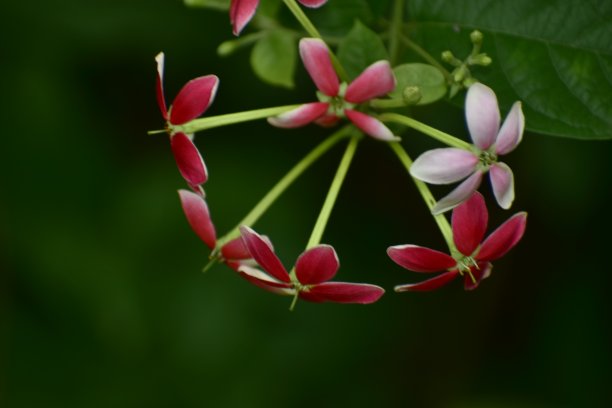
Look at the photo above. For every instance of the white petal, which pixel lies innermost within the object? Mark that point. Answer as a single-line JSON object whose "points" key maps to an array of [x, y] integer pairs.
{"points": [[502, 181], [459, 194], [444, 166], [482, 115], [511, 133]]}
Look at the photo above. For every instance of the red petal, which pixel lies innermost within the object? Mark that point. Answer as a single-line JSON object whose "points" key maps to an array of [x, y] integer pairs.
{"points": [[263, 253], [429, 284], [261, 280], [198, 216], [316, 265], [370, 126], [161, 101], [188, 159], [420, 259], [316, 59], [503, 239], [241, 12], [482, 272], [343, 292], [299, 116], [470, 224], [235, 250], [313, 3], [377, 80], [193, 99]]}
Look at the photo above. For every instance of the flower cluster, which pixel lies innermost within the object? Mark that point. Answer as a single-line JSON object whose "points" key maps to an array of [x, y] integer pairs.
{"points": [[242, 11]]}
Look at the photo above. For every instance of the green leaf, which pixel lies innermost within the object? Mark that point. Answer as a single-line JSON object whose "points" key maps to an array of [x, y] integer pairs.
{"points": [[338, 16], [555, 56], [212, 4], [360, 48], [428, 78], [274, 58]]}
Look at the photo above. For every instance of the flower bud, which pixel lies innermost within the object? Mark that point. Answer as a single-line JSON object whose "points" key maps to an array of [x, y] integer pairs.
{"points": [[411, 95], [476, 37]]}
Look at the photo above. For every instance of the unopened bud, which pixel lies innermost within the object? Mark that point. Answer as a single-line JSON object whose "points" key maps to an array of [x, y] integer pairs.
{"points": [[476, 37], [227, 48], [460, 74], [411, 95], [448, 56]]}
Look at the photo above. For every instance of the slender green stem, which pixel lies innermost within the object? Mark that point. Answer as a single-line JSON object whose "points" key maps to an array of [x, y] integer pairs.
{"points": [[283, 184], [301, 17], [395, 30], [428, 130], [426, 56], [332, 195], [231, 118], [440, 219]]}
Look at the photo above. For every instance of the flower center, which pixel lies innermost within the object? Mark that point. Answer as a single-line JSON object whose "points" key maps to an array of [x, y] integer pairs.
{"points": [[465, 265], [337, 103], [487, 158]]}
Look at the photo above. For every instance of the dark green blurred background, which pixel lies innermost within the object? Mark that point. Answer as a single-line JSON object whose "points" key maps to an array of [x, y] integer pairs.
{"points": [[102, 303]]}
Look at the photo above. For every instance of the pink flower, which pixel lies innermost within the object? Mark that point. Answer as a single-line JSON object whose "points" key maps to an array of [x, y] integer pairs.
{"points": [[313, 269], [198, 216], [242, 11], [448, 165], [339, 100], [473, 261], [192, 101]]}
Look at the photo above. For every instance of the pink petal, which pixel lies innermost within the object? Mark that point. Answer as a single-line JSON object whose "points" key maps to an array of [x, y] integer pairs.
{"points": [[511, 132], [161, 101], [313, 3], [376, 80], [317, 61], [193, 99], [470, 224], [188, 159], [263, 253], [198, 216], [327, 120], [241, 12], [429, 284], [503, 239], [444, 166], [343, 292], [299, 116], [502, 181], [263, 281], [482, 115], [420, 259], [316, 265], [370, 126], [235, 250], [461, 193], [482, 272]]}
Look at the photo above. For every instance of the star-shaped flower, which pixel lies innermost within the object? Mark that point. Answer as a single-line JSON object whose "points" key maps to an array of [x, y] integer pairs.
{"points": [[448, 165], [192, 101], [338, 100], [473, 262], [313, 269], [242, 11]]}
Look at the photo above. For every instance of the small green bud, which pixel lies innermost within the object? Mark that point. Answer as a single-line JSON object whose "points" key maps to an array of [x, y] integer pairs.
{"points": [[476, 37], [448, 57], [469, 82], [227, 48], [411, 95], [460, 74]]}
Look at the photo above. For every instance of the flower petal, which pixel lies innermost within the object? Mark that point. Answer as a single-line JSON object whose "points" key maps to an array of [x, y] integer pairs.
{"points": [[511, 132], [420, 259], [376, 80], [235, 249], [316, 59], [444, 166], [299, 116], [198, 216], [482, 115], [343, 292], [502, 181], [370, 126], [482, 272], [241, 12], [193, 99], [429, 284], [263, 281], [461, 193], [316, 265], [263, 253], [503, 239], [313, 3], [161, 100], [188, 159], [469, 223], [327, 120]]}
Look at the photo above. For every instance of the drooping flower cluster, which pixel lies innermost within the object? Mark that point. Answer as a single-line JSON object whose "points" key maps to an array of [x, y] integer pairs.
{"points": [[242, 11]]}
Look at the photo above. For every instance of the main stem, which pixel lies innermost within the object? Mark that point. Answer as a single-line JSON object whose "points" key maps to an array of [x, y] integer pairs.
{"points": [[440, 219], [396, 30], [280, 187]]}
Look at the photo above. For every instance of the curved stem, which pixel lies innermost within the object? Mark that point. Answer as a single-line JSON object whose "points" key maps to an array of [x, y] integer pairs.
{"points": [[426, 56], [440, 219], [428, 130], [395, 30]]}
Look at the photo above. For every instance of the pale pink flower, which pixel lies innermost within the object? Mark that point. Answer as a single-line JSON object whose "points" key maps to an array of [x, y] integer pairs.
{"points": [[338, 100], [242, 11], [448, 165]]}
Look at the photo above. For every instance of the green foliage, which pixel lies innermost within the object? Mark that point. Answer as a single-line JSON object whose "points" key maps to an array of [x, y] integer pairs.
{"points": [[360, 48], [211, 4], [338, 16], [274, 58], [427, 78], [555, 56]]}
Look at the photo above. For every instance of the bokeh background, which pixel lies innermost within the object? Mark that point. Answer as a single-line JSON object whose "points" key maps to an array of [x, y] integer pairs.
{"points": [[102, 302]]}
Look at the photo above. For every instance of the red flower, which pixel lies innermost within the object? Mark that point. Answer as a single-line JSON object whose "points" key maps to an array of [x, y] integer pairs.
{"points": [[192, 101], [469, 223], [313, 269]]}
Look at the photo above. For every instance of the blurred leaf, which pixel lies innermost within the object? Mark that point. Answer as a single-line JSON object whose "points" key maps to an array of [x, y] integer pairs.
{"points": [[555, 56], [274, 58], [360, 48], [428, 78], [269, 8], [338, 16], [212, 4]]}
